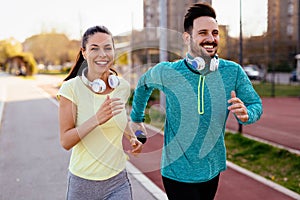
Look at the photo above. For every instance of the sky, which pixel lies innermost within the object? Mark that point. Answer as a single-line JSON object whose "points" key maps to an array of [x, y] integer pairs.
{"points": [[21, 19], [254, 16]]}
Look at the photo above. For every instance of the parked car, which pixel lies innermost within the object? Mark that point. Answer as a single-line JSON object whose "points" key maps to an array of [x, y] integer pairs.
{"points": [[293, 76], [254, 72]]}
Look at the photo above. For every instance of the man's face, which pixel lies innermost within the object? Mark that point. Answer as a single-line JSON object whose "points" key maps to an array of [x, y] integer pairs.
{"points": [[204, 38]]}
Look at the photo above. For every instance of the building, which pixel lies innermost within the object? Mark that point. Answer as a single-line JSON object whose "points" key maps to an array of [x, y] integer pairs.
{"points": [[283, 32], [175, 13]]}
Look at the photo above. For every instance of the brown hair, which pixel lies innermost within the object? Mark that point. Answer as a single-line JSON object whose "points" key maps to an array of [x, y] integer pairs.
{"points": [[79, 64]]}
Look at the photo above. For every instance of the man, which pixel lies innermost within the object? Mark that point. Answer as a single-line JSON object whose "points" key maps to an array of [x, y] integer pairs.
{"points": [[200, 91]]}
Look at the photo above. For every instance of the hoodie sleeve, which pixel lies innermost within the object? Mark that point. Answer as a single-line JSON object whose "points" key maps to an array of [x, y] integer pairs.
{"points": [[149, 81], [246, 92]]}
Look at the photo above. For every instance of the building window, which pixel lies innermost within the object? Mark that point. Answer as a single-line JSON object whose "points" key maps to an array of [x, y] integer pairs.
{"points": [[289, 30]]}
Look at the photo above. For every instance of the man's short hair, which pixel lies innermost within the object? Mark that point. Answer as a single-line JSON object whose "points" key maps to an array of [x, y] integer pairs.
{"points": [[195, 11]]}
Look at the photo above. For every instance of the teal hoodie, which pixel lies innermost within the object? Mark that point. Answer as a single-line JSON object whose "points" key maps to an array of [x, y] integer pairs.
{"points": [[196, 113]]}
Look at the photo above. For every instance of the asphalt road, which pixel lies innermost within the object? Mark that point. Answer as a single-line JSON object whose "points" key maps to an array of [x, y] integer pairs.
{"points": [[32, 163], [34, 166]]}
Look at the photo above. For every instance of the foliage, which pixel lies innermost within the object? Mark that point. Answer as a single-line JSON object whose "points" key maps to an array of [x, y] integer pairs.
{"points": [[29, 60], [9, 48], [52, 48], [122, 59]]}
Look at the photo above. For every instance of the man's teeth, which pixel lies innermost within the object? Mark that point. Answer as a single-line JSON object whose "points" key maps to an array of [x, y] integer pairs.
{"points": [[208, 46]]}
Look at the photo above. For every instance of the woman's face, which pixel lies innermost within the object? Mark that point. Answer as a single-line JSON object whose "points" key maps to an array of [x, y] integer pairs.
{"points": [[99, 53]]}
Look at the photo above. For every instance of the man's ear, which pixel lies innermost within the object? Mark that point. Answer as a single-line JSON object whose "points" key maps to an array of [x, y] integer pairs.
{"points": [[186, 37]]}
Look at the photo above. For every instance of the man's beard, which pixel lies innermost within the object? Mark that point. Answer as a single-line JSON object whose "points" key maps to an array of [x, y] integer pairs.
{"points": [[199, 51]]}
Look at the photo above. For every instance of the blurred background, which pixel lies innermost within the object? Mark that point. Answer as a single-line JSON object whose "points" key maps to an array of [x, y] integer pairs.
{"points": [[261, 35], [39, 42]]}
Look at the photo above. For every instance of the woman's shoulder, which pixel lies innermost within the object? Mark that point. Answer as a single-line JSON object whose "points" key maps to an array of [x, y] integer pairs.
{"points": [[72, 81], [124, 82]]}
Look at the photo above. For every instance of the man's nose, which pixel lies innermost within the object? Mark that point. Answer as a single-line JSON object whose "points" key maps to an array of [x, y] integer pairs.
{"points": [[210, 38]]}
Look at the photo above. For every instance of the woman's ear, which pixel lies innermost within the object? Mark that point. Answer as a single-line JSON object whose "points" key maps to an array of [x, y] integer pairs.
{"points": [[186, 37], [83, 53]]}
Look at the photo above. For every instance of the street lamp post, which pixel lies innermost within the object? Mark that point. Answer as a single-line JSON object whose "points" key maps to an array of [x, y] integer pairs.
{"points": [[273, 51], [241, 52], [163, 56]]}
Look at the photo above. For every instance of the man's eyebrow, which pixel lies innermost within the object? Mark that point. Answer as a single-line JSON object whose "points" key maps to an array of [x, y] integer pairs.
{"points": [[202, 30], [94, 45]]}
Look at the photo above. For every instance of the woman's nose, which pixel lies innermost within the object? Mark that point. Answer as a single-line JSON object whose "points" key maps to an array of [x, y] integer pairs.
{"points": [[101, 52]]}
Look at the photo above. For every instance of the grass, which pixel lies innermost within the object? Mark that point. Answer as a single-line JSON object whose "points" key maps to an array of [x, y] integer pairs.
{"points": [[275, 164], [265, 90]]}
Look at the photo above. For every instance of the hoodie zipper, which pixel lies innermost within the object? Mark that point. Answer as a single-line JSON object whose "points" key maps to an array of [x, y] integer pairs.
{"points": [[201, 95]]}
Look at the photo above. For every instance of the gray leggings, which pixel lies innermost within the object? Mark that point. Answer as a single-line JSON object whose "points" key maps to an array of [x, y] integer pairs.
{"points": [[115, 188]]}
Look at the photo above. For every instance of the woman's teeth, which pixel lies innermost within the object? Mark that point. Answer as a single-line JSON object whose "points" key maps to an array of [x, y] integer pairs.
{"points": [[101, 62]]}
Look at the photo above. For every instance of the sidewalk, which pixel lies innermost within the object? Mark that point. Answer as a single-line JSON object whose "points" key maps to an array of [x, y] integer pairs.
{"points": [[235, 183], [32, 163], [44, 154], [279, 124], [261, 188]]}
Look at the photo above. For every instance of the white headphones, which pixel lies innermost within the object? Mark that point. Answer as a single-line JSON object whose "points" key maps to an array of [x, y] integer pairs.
{"points": [[198, 63], [98, 85]]}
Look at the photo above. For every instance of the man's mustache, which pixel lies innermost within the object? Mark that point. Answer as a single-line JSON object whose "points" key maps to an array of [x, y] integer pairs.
{"points": [[209, 43]]}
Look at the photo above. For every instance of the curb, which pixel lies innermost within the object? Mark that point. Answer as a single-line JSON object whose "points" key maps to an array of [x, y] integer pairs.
{"points": [[250, 174], [136, 173], [294, 151], [146, 182], [263, 180], [2, 102], [157, 191]]}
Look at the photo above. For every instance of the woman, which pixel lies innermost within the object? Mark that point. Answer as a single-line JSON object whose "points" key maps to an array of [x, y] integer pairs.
{"points": [[93, 119]]}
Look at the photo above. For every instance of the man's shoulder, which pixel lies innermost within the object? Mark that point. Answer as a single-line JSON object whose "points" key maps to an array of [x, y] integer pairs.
{"points": [[225, 62], [225, 65], [170, 64]]}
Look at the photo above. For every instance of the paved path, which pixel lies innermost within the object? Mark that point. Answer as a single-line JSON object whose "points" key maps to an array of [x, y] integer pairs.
{"points": [[235, 184], [32, 161], [33, 165], [279, 124]]}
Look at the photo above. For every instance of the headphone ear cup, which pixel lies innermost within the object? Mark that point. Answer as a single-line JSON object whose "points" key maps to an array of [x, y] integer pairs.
{"points": [[113, 81], [214, 64], [199, 63], [98, 86]]}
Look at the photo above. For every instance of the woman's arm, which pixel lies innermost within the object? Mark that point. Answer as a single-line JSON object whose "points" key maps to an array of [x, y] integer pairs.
{"points": [[70, 135]]}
